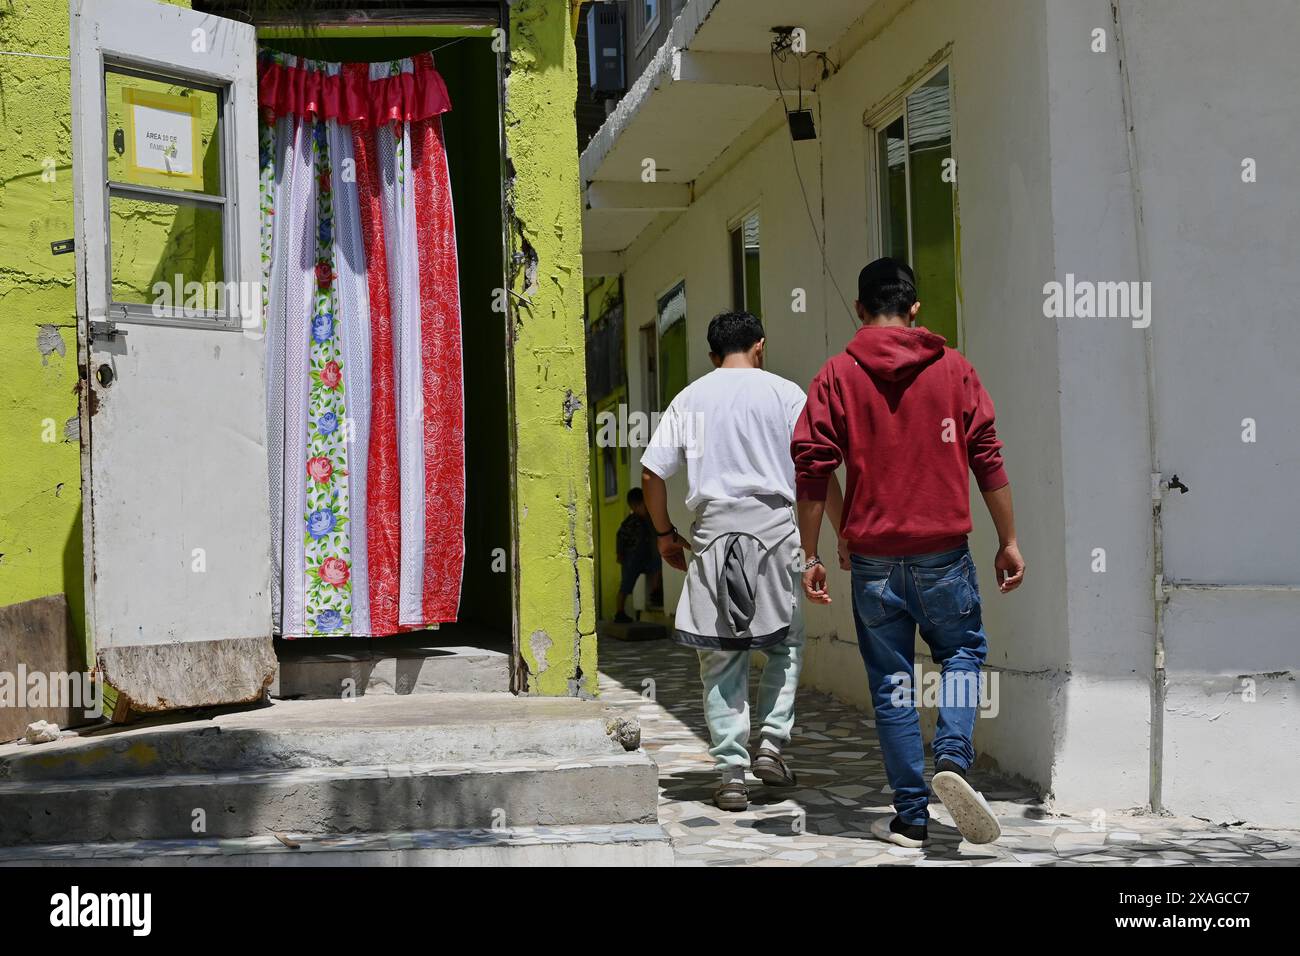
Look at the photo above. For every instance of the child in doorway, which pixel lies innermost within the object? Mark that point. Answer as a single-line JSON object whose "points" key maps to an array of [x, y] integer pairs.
{"points": [[637, 553]]}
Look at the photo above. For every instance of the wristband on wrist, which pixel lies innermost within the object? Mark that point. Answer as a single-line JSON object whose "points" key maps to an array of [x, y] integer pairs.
{"points": [[672, 529], [812, 563]]}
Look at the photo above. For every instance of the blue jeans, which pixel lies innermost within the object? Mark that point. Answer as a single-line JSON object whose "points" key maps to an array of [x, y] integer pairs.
{"points": [[891, 598]]}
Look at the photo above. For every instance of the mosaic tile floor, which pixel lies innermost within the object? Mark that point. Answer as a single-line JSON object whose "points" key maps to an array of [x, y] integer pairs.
{"points": [[827, 820]]}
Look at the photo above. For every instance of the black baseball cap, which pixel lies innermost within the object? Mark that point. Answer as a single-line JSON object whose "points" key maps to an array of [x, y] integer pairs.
{"points": [[881, 272]]}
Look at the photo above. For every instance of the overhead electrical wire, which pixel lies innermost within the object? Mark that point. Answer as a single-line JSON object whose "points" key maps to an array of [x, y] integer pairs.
{"points": [[781, 51]]}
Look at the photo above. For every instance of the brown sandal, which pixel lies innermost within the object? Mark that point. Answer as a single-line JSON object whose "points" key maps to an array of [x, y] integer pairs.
{"points": [[772, 770], [731, 796]]}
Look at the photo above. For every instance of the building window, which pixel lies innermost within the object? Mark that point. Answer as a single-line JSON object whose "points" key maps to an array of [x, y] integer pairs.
{"points": [[916, 182], [647, 20], [671, 326], [609, 462], [746, 291]]}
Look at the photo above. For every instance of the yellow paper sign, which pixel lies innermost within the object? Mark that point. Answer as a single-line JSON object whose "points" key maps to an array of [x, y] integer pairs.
{"points": [[162, 139]]}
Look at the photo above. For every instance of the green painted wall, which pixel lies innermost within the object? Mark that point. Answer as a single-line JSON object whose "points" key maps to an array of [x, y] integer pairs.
{"points": [[556, 600], [40, 469]]}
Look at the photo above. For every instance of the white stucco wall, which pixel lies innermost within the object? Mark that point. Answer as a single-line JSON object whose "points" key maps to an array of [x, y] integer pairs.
{"points": [[1213, 85]]}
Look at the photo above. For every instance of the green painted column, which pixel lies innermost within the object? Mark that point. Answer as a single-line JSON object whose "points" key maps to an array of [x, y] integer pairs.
{"points": [[557, 619]]}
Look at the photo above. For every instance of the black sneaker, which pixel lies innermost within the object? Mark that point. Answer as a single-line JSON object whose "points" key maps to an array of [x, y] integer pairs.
{"points": [[899, 833], [621, 618]]}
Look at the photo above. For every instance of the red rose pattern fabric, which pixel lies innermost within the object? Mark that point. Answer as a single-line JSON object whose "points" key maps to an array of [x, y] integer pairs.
{"points": [[437, 332], [444, 433]]}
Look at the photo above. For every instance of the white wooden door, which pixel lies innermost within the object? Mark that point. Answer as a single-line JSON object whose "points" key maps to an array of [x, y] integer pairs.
{"points": [[164, 105]]}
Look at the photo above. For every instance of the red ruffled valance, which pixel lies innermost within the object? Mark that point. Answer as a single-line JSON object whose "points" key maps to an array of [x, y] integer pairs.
{"points": [[351, 96]]}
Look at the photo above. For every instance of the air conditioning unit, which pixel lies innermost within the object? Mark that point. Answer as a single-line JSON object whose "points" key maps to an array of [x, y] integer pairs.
{"points": [[605, 48]]}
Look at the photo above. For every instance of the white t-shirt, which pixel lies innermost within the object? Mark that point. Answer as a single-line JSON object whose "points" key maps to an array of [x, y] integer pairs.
{"points": [[733, 429]]}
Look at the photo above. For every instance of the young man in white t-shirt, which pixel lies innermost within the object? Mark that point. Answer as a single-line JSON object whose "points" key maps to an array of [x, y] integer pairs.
{"points": [[732, 428]]}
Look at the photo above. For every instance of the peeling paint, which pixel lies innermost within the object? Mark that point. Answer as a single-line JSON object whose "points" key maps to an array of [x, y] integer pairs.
{"points": [[540, 644], [49, 340], [571, 404]]}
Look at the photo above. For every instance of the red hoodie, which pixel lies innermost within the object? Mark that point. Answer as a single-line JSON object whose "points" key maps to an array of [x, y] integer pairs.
{"points": [[908, 415]]}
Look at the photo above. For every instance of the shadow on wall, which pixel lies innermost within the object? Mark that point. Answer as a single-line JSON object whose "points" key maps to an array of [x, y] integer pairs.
{"points": [[74, 582]]}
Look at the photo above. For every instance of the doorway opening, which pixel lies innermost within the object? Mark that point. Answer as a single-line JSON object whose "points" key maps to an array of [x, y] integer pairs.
{"points": [[479, 650]]}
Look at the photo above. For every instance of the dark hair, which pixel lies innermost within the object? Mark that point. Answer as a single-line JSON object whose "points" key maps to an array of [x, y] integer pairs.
{"points": [[732, 332], [887, 287], [635, 496]]}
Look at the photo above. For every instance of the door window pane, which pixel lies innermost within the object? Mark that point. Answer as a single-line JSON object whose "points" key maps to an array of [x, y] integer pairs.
{"points": [[154, 242], [165, 193], [162, 133]]}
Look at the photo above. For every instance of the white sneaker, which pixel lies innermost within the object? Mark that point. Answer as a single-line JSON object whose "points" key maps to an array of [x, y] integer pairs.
{"points": [[970, 811]]}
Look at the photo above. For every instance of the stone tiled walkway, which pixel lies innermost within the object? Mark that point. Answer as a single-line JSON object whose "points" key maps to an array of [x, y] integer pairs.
{"points": [[826, 821]]}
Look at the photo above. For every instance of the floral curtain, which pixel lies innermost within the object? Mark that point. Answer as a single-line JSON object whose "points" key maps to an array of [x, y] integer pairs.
{"points": [[364, 380]]}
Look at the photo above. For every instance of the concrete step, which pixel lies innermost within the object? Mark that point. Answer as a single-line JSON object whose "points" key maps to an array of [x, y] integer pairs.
{"points": [[307, 673], [599, 789], [378, 730], [638, 844]]}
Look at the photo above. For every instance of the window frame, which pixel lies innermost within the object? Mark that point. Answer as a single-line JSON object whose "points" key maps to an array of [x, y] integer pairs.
{"points": [[878, 119], [666, 296], [737, 224], [146, 314], [645, 29]]}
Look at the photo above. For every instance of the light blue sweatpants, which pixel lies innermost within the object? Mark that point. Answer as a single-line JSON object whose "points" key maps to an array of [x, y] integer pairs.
{"points": [[725, 675]]}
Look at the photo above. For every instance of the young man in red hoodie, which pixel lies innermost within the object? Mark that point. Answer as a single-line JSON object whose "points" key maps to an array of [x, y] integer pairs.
{"points": [[908, 417]]}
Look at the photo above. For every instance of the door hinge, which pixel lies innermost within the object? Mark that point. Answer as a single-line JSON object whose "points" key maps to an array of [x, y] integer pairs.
{"points": [[62, 247]]}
